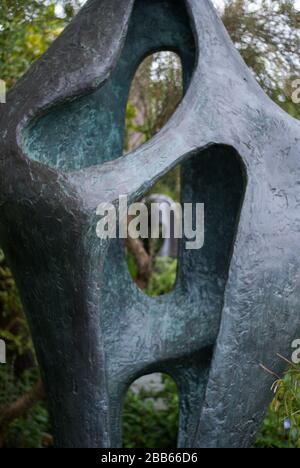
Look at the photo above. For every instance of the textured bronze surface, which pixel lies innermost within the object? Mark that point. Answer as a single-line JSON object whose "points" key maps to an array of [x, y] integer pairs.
{"points": [[236, 301]]}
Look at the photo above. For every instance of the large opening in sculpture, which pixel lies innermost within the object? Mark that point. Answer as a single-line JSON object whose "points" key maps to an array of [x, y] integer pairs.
{"points": [[151, 413], [89, 130], [156, 92]]}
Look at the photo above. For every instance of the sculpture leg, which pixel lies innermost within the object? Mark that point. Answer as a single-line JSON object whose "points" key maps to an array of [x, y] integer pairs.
{"points": [[59, 282], [191, 379]]}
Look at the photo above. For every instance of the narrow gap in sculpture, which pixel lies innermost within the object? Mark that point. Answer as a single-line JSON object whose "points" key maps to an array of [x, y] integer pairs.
{"points": [[156, 91], [151, 413]]}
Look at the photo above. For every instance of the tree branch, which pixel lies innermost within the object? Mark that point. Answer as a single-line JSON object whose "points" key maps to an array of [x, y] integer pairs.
{"points": [[19, 408], [142, 259]]}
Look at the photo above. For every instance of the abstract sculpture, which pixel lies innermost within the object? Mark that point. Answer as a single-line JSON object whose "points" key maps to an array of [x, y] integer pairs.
{"points": [[236, 302]]}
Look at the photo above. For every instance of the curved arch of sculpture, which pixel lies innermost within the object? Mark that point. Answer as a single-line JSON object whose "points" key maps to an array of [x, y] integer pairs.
{"points": [[235, 305]]}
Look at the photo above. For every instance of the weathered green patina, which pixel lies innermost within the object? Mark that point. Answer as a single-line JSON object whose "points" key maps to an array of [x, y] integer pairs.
{"points": [[235, 304]]}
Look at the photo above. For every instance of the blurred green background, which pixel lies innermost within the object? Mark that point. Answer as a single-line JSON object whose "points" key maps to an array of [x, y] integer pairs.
{"points": [[267, 34]]}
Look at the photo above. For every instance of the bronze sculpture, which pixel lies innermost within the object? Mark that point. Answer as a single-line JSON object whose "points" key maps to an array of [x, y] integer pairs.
{"points": [[235, 305]]}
